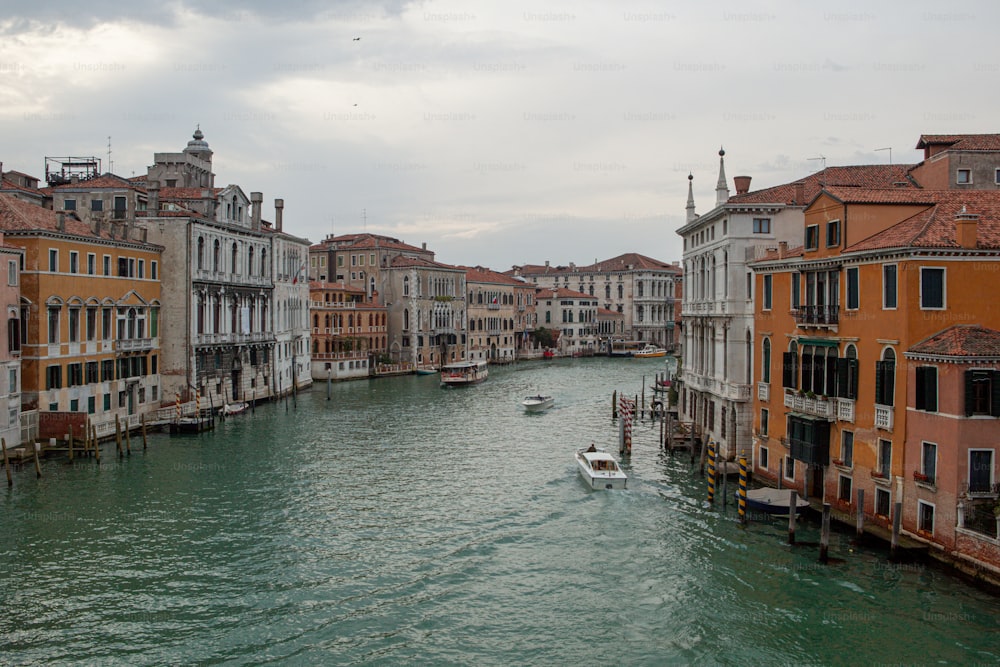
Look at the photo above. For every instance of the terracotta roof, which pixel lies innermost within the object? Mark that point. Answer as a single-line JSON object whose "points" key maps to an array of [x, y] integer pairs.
{"points": [[961, 340], [479, 274], [771, 255], [883, 195], [935, 226], [17, 215], [186, 193], [561, 293], [7, 184], [961, 142], [109, 181], [619, 263], [863, 175], [403, 261], [365, 242]]}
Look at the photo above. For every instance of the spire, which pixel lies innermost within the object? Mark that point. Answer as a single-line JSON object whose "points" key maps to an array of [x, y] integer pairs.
{"points": [[721, 189], [691, 215]]}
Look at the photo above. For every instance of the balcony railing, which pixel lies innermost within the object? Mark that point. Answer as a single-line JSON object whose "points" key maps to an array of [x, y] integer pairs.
{"points": [[883, 417], [763, 391], [133, 344], [845, 409], [817, 407], [816, 315]]}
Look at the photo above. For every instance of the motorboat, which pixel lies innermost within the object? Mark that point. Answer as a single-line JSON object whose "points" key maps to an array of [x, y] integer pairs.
{"points": [[650, 351], [537, 403], [230, 409], [773, 501], [599, 469], [463, 373], [426, 370]]}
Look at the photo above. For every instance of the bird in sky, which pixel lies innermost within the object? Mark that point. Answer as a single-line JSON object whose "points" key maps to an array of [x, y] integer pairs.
{"points": [[357, 39]]}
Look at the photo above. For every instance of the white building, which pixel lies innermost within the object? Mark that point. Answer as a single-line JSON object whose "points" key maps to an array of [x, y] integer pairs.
{"points": [[292, 352], [573, 314]]}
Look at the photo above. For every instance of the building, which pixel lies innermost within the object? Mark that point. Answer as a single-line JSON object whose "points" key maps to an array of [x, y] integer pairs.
{"points": [[718, 306], [349, 331], [573, 315], [859, 323], [11, 258], [289, 254], [501, 313], [90, 313], [642, 289]]}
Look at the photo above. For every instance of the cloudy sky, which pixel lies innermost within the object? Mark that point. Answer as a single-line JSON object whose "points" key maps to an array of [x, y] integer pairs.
{"points": [[499, 133]]}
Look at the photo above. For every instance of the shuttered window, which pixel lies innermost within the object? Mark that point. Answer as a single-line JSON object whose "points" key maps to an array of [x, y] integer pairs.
{"points": [[927, 392]]}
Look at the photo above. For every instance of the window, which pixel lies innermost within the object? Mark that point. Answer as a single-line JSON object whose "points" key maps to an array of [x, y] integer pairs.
{"points": [[980, 470], [767, 292], [107, 402], [996, 177], [763, 463], [932, 288], [107, 265], [91, 263], [884, 458], [53, 259], [69, 205], [979, 398], [153, 270], [762, 225], [796, 289], [765, 356], [74, 262], [142, 268], [91, 407], [12, 273], [789, 470], [53, 313], [889, 286], [763, 421], [833, 233], [812, 237], [885, 379], [790, 367], [75, 375], [928, 461], [53, 377], [96, 205], [882, 502], [925, 517], [853, 296], [74, 325], [844, 489], [962, 177], [847, 449], [927, 392]]}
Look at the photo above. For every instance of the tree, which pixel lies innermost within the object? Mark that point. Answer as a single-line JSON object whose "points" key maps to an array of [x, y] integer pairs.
{"points": [[545, 337]]}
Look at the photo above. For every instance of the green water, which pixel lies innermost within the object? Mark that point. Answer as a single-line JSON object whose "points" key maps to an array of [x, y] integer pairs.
{"points": [[402, 523]]}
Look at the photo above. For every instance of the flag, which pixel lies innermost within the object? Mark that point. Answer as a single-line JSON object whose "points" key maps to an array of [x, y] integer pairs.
{"points": [[298, 273]]}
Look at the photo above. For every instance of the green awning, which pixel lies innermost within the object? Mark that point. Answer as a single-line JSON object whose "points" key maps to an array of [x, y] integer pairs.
{"points": [[819, 342]]}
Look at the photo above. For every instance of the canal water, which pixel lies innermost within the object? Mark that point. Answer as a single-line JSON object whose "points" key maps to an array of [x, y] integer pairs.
{"points": [[401, 523]]}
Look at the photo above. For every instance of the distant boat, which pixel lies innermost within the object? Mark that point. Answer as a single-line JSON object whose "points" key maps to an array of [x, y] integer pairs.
{"points": [[773, 501], [230, 409], [426, 370], [463, 373], [548, 353], [537, 403], [600, 470], [650, 351]]}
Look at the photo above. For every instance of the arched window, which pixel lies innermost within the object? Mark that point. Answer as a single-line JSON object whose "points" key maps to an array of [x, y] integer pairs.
{"points": [[250, 261], [790, 367], [263, 263], [765, 355], [201, 252], [885, 378], [406, 319], [621, 291], [234, 260], [607, 291], [406, 287], [216, 255]]}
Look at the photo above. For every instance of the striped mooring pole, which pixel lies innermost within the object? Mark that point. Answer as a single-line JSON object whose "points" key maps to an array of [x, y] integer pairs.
{"points": [[743, 490], [711, 471], [177, 403]]}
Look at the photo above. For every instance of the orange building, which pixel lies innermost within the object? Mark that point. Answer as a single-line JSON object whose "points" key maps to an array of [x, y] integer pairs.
{"points": [[349, 331], [90, 300], [880, 272]]}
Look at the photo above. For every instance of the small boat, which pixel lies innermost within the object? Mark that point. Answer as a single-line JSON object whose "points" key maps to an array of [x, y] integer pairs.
{"points": [[600, 470], [662, 385], [463, 373], [537, 403], [230, 409], [549, 353], [772, 501], [426, 370], [650, 351]]}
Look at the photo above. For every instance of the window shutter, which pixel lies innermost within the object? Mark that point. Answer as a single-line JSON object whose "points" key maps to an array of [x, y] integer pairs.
{"points": [[995, 393], [968, 394], [843, 389], [921, 397], [786, 370], [831, 376], [853, 367], [807, 369], [931, 388], [880, 388]]}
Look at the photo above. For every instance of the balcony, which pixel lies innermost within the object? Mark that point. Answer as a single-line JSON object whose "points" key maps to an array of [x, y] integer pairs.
{"points": [[133, 345], [845, 410], [814, 406], [921, 478], [816, 316], [763, 392], [883, 417]]}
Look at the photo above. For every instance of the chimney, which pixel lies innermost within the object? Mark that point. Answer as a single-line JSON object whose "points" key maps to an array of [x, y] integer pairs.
{"points": [[782, 249], [742, 184], [61, 221], [800, 193], [423, 246], [966, 228], [153, 188], [256, 199], [279, 208]]}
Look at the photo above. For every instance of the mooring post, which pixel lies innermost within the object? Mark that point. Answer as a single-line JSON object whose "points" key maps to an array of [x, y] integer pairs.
{"points": [[38, 466], [793, 506], [128, 437], [6, 462], [897, 517], [743, 490], [860, 515], [118, 438], [329, 383], [711, 472], [723, 469], [614, 404], [824, 537], [142, 420], [70, 443], [96, 444]]}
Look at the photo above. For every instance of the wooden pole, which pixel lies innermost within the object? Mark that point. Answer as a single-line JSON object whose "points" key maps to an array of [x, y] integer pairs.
{"points": [[614, 404], [897, 517], [38, 466], [860, 516], [128, 438], [142, 420], [6, 462], [95, 443], [724, 469], [793, 506], [118, 438], [824, 537], [70, 443], [743, 490]]}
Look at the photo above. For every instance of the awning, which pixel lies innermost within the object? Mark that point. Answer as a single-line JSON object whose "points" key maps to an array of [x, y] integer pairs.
{"points": [[819, 342]]}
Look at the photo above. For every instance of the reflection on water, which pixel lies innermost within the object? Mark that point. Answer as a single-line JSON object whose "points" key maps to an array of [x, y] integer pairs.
{"points": [[401, 522]]}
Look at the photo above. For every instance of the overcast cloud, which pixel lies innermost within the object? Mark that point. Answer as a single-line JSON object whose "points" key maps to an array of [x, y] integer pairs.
{"points": [[497, 133]]}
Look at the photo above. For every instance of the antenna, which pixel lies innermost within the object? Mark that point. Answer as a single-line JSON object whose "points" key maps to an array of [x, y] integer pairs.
{"points": [[364, 219], [821, 157], [887, 148], [111, 165]]}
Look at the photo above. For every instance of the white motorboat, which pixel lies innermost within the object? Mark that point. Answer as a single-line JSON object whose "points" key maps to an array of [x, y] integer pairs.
{"points": [[230, 409], [537, 403], [600, 470], [463, 373]]}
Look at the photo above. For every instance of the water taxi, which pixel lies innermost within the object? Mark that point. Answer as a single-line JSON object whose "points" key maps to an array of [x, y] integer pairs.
{"points": [[537, 403], [650, 351], [599, 469], [463, 373]]}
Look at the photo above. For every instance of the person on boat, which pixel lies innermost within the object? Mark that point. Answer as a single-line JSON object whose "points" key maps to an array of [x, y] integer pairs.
{"points": [[592, 448]]}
